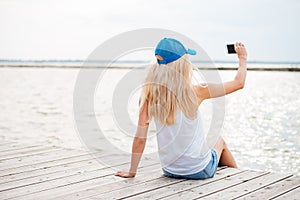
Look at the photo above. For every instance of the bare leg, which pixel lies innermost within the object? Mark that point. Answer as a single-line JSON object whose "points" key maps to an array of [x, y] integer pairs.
{"points": [[224, 155]]}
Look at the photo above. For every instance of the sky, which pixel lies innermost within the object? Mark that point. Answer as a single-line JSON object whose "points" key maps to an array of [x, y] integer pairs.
{"points": [[70, 29]]}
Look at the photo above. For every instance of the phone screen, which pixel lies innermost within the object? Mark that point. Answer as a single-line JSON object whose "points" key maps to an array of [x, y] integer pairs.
{"points": [[230, 48]]}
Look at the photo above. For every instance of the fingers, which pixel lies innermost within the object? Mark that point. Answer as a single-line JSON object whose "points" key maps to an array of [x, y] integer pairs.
{"points": [[239, 46], [121, 175], [118, 173], [240, 50], [124, 174], [236, 46]]}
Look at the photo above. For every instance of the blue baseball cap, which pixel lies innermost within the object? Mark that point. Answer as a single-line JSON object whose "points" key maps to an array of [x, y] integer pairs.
{"points": [[169, 50]]}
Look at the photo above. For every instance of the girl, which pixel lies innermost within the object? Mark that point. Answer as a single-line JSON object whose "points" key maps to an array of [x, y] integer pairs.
{"points": [[172, 101]]}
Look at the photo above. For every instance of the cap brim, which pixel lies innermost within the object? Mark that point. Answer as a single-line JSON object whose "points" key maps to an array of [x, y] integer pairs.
{"points": [[191, 52]]}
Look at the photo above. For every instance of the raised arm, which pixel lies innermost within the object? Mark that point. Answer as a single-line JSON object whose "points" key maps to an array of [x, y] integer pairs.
{"points": [[211, 90], [138, 145]]}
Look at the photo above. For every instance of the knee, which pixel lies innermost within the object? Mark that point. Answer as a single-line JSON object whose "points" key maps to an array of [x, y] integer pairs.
{"points": [[223, 143]]}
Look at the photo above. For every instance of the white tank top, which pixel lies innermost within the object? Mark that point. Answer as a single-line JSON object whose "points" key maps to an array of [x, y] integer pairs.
{"points": [[182, 147]]}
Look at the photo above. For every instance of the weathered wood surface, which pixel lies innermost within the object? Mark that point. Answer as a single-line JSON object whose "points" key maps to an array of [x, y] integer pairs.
{"points": [[49, 172]]}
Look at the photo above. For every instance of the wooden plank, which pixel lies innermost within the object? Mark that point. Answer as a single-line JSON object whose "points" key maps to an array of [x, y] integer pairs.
{"points": [[274, 189], [291, 195], [139, 189], [58, 187], [69, 157], [60, 182], [27, 152], [14, 146], [3, 143], [19, 150], [11, 146], [64, 192], [148, 185], [46, 170], [144, 174], [37, 192], [185, 185], [216, 186], [30, 158], [94, 165], [44, 157], [248, 187], [123, 183]]}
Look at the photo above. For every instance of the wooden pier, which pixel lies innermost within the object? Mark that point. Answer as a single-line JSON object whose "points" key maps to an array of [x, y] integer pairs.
{"points": [[49, 172]]}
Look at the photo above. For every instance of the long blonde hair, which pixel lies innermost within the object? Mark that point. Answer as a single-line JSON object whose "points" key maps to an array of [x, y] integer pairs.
{"points": [[167, 88]]}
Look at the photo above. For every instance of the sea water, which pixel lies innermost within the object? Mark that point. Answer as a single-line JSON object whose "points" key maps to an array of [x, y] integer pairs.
{"points": [[261, 124]]}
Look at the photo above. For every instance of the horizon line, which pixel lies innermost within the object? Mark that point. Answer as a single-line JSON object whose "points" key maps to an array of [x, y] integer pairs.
{"points": [[145, 61]]}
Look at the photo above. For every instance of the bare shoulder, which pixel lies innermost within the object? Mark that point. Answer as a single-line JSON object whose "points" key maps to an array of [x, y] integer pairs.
{"points": [[201, 91], [201, 86]]}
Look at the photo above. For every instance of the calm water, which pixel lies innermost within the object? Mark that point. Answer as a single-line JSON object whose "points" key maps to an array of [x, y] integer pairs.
{"points": [[262, 121]]}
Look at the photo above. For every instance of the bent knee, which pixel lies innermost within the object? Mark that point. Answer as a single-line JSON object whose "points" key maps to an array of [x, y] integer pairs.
{"points": [[222, 143]]}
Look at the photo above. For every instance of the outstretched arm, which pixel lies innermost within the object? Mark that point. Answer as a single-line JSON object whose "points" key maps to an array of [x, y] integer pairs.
{"points": [[211, 90], [138, 145]]}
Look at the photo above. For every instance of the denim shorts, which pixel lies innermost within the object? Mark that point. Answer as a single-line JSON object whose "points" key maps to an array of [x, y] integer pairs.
{"points": [[208, 172]]}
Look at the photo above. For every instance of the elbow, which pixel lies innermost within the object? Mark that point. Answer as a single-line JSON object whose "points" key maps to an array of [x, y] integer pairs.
{"points": [[241, 85], [140, 141]]}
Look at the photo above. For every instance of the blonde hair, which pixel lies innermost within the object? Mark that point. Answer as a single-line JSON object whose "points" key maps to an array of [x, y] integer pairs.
{"points": [[168, 88]]}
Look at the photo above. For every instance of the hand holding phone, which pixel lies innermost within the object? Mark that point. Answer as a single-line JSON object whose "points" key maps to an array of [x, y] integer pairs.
{"points": [[237, 48]]}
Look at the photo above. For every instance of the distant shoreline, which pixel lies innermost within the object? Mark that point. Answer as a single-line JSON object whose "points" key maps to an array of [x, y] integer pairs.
{"points": [[287, 69], [142, 61], [141, 64]]}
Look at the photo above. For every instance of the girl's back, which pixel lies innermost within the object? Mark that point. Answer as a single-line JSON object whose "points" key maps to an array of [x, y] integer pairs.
{"points": [[181, 146]]}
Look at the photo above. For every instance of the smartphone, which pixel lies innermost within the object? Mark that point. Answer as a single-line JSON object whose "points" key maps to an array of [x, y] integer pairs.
{"points": [[230, 48]]}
